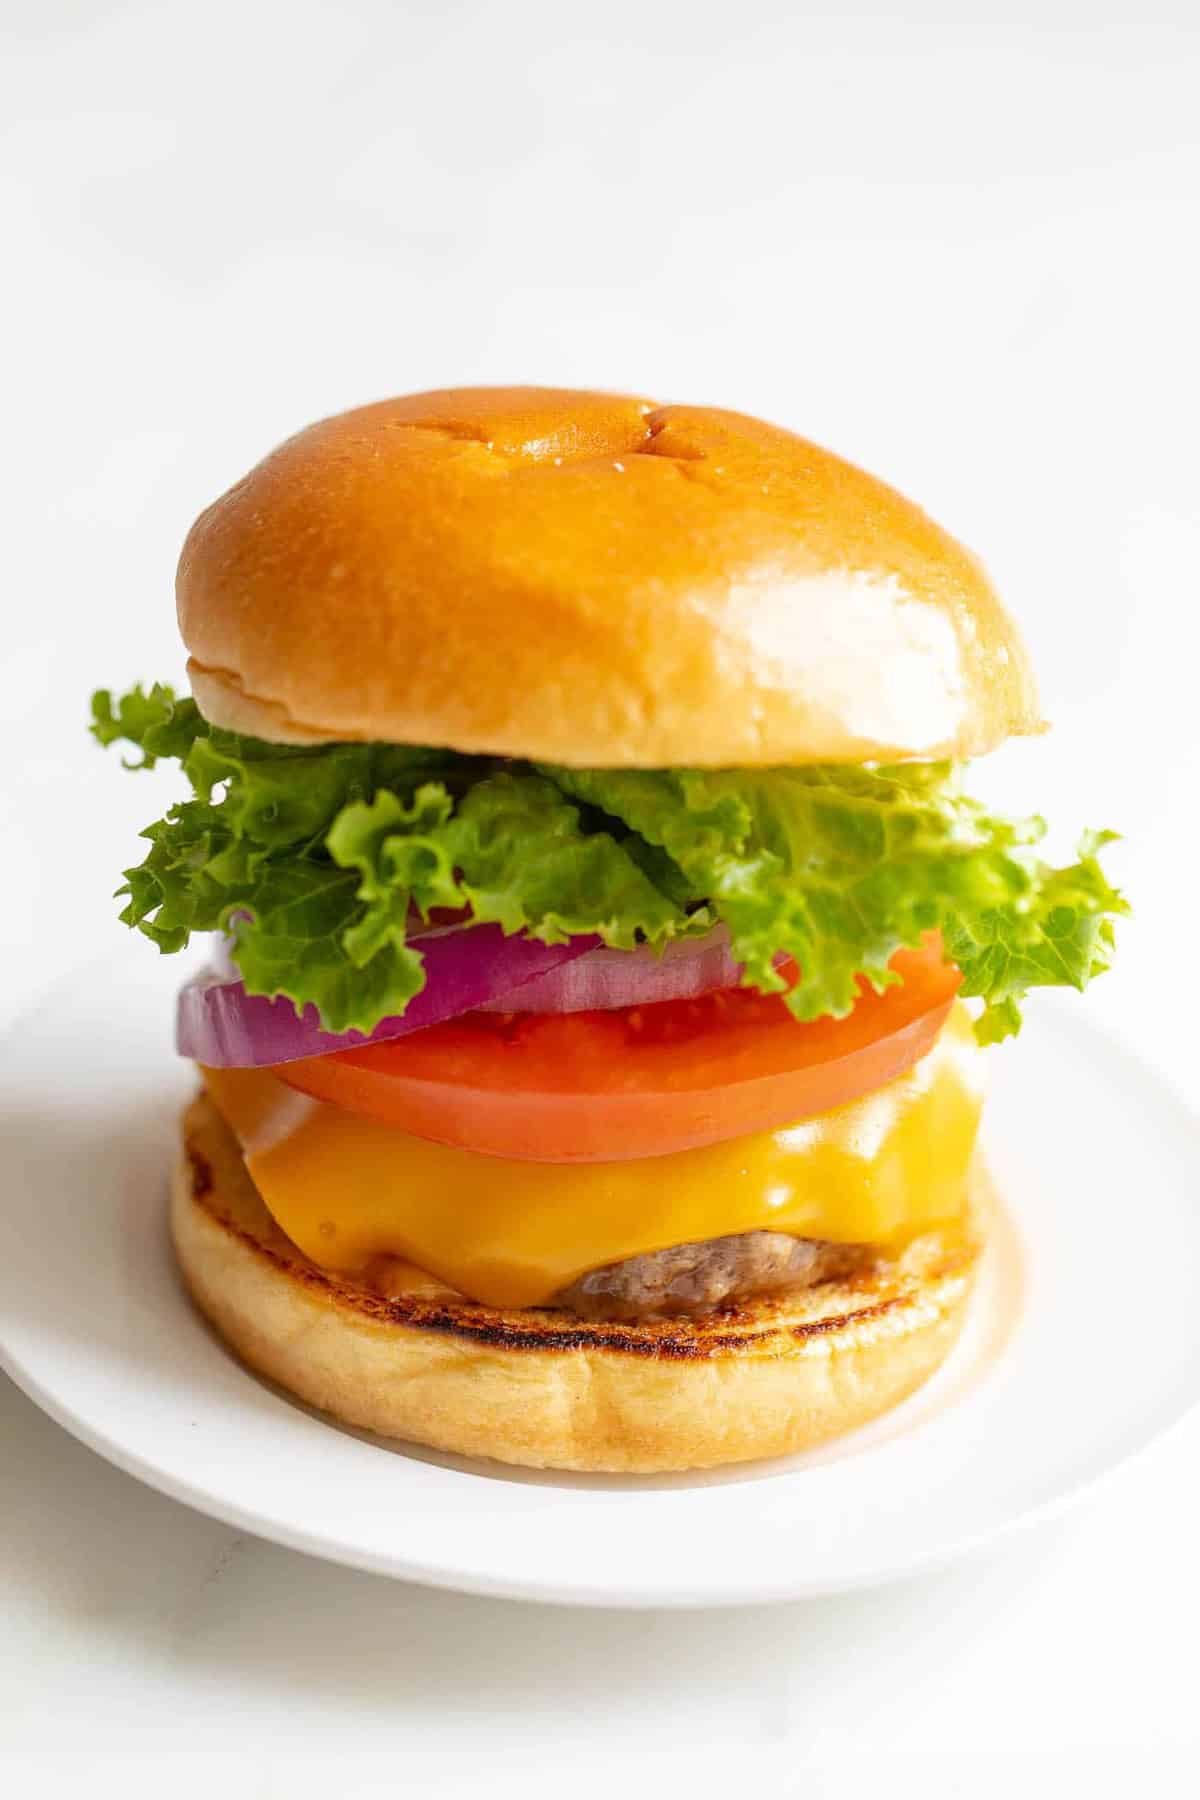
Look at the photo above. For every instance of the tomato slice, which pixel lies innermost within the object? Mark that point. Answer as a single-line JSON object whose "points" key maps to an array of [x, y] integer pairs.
{"points": [[645, 1081]]}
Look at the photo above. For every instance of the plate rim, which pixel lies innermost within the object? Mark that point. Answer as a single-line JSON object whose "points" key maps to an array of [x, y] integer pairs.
{"points": [[449, 1580]]}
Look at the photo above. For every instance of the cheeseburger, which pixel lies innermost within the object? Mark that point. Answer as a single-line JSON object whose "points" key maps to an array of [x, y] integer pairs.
{"points": [[605, 945]]}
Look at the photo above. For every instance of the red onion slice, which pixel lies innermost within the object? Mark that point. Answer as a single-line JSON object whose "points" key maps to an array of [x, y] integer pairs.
{"points": [[219, 1023], [606, 979]]}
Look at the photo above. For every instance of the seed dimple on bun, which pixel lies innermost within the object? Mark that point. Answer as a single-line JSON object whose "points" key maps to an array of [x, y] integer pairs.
{"points": [[596, 580]]}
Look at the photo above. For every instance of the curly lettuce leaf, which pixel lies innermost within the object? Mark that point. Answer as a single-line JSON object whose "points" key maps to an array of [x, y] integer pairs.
{"points": [[317, 859], [1059, 934], [156, 723], [841, 866]]}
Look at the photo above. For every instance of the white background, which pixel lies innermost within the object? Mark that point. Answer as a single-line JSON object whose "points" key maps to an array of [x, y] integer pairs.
{"points": [[957, 245]]}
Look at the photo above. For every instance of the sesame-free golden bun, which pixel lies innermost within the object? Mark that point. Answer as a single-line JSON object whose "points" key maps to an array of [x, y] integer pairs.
{"points": [[544, 1388], [596, 580]]}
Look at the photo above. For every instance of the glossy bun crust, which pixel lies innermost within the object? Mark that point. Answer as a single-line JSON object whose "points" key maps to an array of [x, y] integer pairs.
{"points": [[591, 579], [545, 1388]]}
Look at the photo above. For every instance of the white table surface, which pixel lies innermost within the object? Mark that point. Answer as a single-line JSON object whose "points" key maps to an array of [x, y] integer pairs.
{"points": [[960, 250]]}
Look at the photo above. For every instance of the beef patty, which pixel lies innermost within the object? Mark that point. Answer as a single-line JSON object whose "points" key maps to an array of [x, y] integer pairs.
{"points": [[689, 1279]]}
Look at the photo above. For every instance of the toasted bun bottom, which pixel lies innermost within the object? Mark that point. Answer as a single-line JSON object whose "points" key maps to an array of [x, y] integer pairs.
{"points": [[543, 1388]]}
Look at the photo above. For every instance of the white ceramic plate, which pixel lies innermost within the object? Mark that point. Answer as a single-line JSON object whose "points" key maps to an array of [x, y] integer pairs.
{"points": [[1057, 1380]]}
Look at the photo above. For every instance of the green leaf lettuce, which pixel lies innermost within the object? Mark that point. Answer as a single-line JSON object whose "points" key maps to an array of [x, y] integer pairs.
{"points": [[318, 859]]}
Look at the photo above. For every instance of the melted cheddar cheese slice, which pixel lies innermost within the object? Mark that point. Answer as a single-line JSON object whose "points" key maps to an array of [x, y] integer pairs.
{"points": [[347, 1190]]}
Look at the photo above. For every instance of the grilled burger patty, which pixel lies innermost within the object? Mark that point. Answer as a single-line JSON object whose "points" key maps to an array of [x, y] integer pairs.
{"points": [[690, 1279]]}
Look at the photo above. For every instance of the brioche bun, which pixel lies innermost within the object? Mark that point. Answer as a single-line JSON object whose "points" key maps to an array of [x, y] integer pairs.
{"points": [[596, 580], [545, 1388]]}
